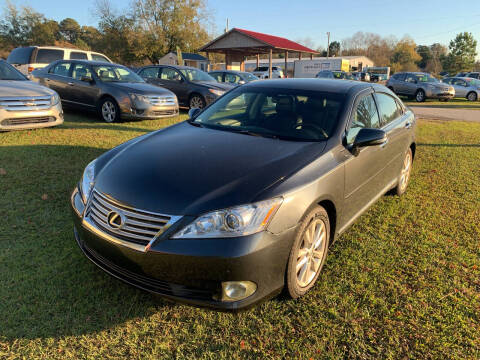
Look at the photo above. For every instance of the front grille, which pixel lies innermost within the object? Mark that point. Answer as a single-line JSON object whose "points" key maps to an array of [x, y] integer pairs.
{"points": [[147, 282], [159, 100], [26, 103], [140, 227], [27, 121]]}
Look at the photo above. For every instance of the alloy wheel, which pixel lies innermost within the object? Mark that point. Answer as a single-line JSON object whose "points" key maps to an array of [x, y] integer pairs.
{"points": [[420, 96], [109, 111], [472, 96], [405, 174], [196, 102], [311, 252]]}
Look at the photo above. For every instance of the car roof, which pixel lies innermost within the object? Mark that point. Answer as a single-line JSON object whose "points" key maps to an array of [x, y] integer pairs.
{"points": [[90, 62], [172, 66], [324, 85]]}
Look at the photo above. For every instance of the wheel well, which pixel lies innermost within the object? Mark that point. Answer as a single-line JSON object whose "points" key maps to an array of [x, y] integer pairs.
{"points": [[332, 216], [104, 96], [195, 93], [471, 92], [413, 146]]}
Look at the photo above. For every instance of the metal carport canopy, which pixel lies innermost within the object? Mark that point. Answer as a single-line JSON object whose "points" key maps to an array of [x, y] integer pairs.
{"points": [[236, 44]]}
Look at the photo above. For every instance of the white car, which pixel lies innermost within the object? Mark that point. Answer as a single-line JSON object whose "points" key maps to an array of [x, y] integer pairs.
{"points": [[27, 59], [262, 72]]}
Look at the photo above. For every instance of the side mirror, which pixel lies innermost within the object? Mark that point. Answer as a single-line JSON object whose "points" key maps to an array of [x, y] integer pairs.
{"points": [[88, 79], [193, 112], [369, 137]]}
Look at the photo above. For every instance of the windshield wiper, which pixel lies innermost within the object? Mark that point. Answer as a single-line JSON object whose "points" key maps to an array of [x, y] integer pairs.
{"points": [[194, 123]]}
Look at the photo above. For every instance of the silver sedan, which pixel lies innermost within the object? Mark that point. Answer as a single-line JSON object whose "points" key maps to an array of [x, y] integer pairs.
{"points": [[465, 87]]}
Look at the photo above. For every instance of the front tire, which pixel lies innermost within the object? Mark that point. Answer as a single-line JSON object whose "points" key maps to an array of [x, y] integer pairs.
{"points": [[109, 110], [308, 253], [197, 101], [420, 96], [471, 96], [404, 177]]}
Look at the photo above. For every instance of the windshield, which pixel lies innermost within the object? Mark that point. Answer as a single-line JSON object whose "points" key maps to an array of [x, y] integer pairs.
{"points": [[8, 72], [249, 77], [196, 75], [425, 78], [110, 73], [278, 113], [261, 68]]}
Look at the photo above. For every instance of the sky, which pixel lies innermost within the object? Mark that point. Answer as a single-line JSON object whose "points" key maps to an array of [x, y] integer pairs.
{"points": [[426, 21]]}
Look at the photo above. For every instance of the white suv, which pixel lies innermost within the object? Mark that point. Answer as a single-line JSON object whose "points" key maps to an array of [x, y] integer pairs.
{"points": [[262, 72], [27, 59]]}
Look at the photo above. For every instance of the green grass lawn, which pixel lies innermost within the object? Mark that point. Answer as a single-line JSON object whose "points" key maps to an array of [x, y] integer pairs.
{"points": [[404, 282], [456, 103]]}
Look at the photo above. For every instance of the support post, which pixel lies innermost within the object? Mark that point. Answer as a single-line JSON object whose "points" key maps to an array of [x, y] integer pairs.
{"points": [[311, 56], [258, 60], [270, 54], [299, 56], [242, 64], [286, 64]]}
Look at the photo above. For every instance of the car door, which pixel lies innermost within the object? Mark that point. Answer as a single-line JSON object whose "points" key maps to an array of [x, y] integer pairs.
{"points": [[397, 83], [460, 87], [58, 77], [409, 86], [82, 92], [171, 79], [364, 172], [396, 122]]}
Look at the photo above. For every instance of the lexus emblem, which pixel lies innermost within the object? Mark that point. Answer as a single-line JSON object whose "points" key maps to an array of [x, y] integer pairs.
{"points": [[116, 220]]}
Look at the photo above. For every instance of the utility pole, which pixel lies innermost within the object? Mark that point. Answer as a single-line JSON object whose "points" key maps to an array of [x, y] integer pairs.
{"points": [[226, 28], [328, 44]]}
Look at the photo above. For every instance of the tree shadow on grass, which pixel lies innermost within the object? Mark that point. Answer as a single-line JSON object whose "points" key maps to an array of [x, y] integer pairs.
{"points": [[450, 145], [47, 287]]}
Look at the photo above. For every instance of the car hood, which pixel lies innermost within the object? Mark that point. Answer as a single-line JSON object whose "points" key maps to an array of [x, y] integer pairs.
{"points": [[214, 85], [12, 88], [140, 88], [186, 170]]}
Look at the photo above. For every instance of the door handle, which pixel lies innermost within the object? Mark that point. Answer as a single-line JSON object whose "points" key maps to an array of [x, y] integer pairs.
{"points": [[408, 125], [71, 83]]}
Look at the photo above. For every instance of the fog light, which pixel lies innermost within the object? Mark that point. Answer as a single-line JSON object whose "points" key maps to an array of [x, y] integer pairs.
{"points": [[237, 290]]}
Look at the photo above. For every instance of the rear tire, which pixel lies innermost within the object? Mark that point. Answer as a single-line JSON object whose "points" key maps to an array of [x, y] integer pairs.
{"points": [[404, 176], [109, 110], [420, 96], [472, 96], [308, 253]]}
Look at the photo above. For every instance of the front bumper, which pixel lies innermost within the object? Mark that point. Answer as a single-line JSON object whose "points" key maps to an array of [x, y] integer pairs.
{"points": [[149, 112], [440, 94], [192, 270], [31, 119]]}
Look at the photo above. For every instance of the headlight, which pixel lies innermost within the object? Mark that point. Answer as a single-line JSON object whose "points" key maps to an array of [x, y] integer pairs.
{"points": [[217, 92], [139, 98], [55, 99], [236, 221], [87, 182]]}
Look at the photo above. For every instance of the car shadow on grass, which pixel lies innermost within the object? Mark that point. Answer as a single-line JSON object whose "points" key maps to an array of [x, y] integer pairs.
{"points": [[449, 145], [47, 287]]}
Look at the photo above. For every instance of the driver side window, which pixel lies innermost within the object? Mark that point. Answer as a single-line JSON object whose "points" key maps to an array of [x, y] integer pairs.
{"points": [[365, 115], [170, 74]]}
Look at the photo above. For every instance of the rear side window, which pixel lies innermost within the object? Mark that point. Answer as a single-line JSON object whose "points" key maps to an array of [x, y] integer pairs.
{"points": [[388, 108], [20, 56], [46, 56], [364, 116], [61, 69], [217, 76], [232, 78], [97, 57], [399, 77], [150, 73], [77, 55]]}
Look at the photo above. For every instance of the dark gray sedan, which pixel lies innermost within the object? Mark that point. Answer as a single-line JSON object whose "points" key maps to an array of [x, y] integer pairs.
{"points": [[194, 88], [114, 91], [238, 202]]}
